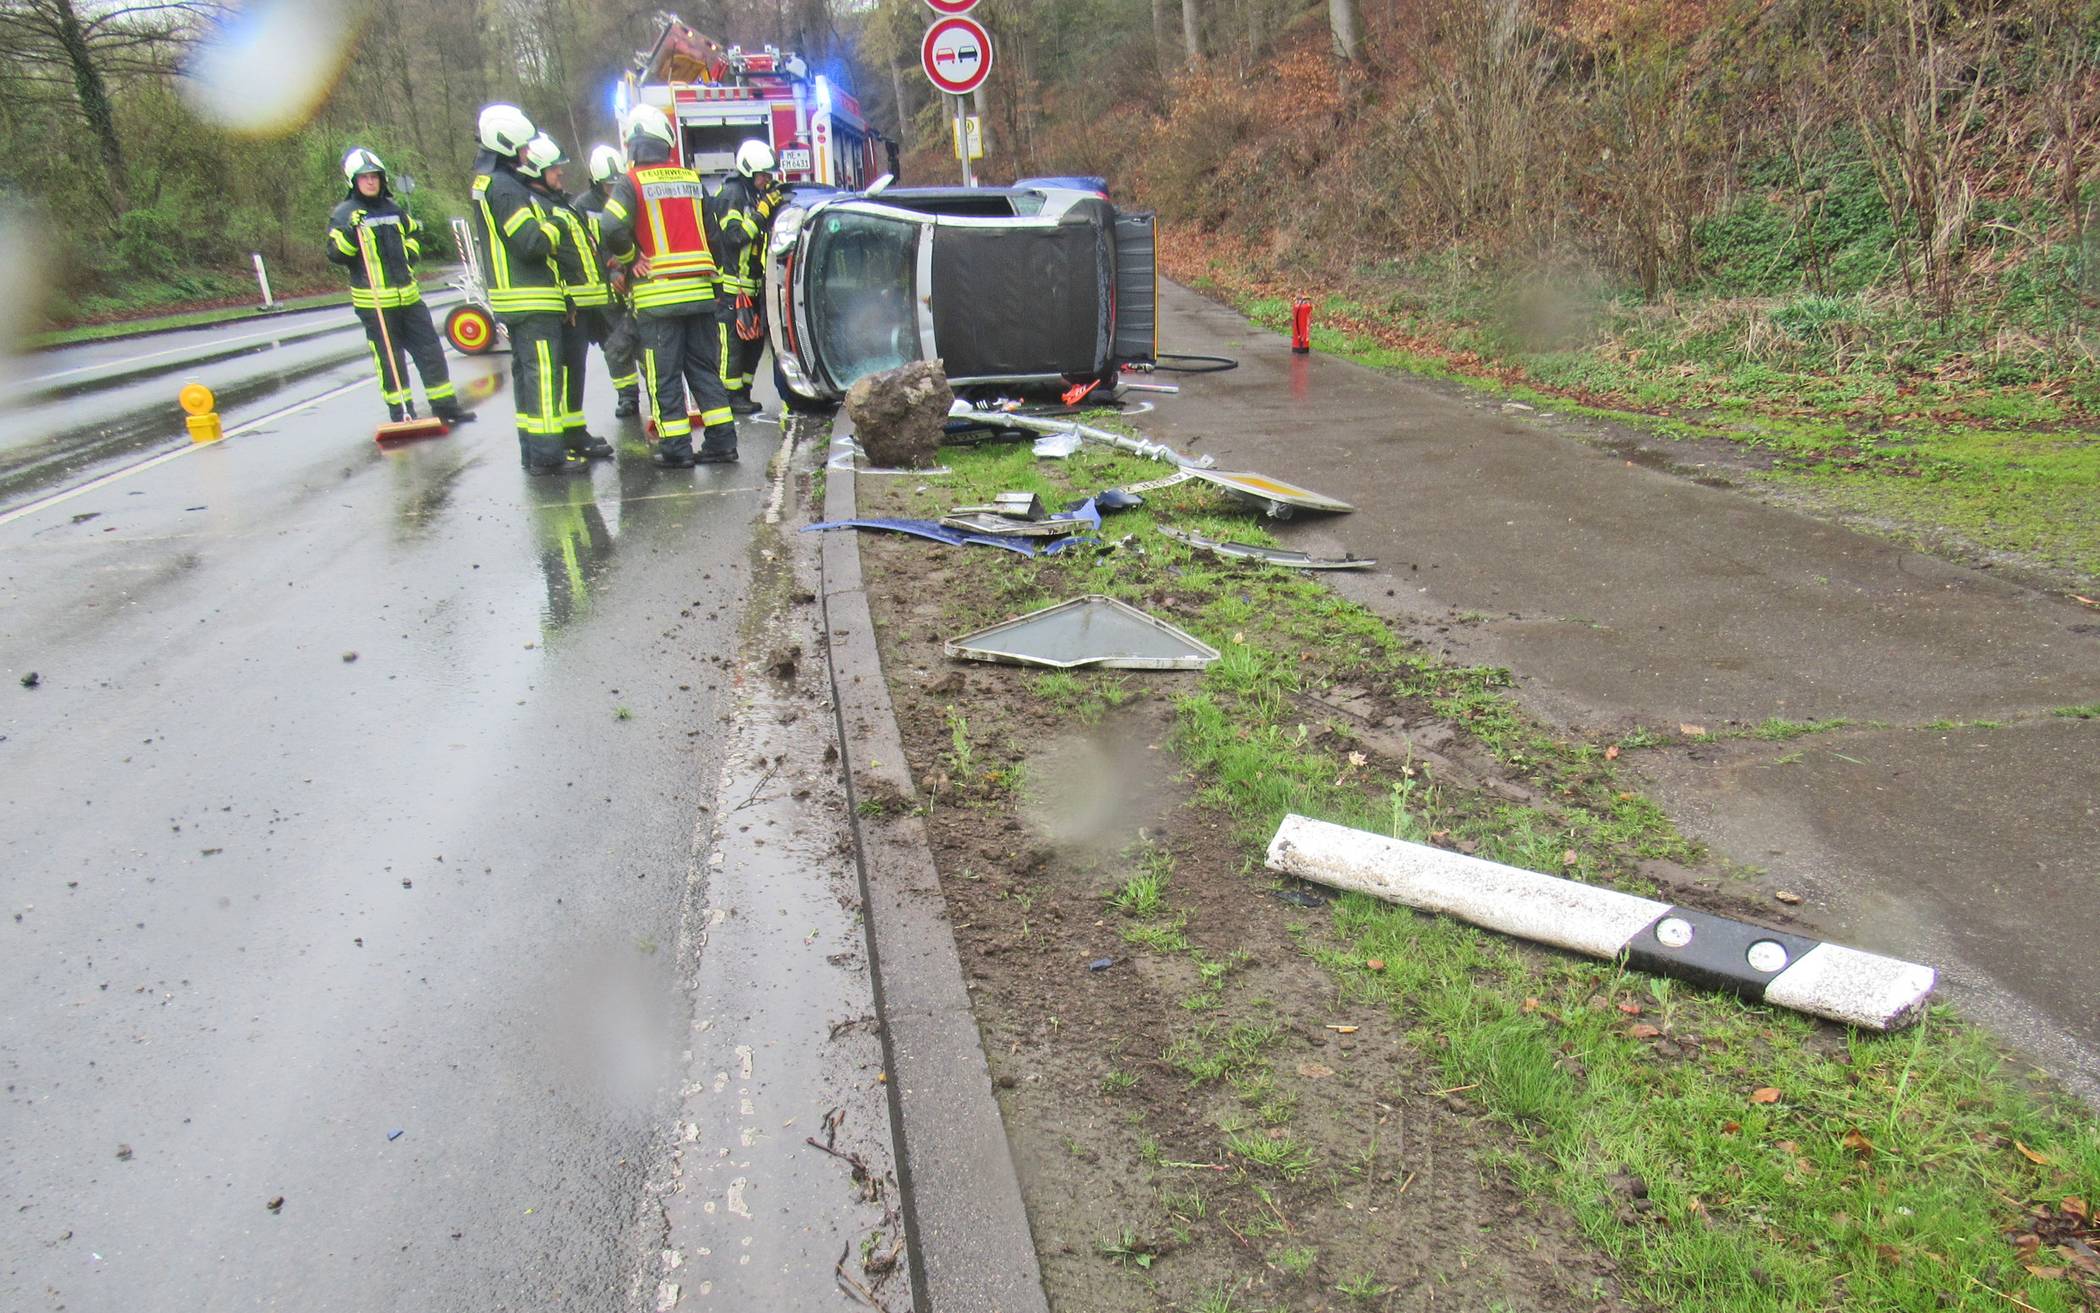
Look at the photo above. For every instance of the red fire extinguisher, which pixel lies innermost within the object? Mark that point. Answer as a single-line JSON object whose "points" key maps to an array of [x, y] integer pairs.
{"points": [[1301, 326]]}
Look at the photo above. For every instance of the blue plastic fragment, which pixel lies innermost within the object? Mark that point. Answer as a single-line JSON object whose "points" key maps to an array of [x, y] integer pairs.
{"points": [[927, 529], [1115, 499], [1101, 964], [1056, 545], [393, 1135]]}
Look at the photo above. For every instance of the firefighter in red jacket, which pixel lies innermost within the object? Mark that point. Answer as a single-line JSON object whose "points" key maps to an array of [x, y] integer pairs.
{"points": [[655, 243]]}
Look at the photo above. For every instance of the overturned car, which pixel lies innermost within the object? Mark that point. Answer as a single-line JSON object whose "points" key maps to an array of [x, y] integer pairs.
{"points": [[1028, 289]]}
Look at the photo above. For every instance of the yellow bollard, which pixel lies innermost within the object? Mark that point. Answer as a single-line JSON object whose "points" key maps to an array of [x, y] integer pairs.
{"points": [[197, 401]]}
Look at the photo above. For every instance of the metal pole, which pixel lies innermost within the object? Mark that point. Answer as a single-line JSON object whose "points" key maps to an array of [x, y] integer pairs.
{"points": [[962, 139], [262, 276]]}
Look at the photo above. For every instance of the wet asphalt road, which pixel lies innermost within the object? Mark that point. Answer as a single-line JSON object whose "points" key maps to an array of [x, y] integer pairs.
{"points": [[268, 905], [79, 411]]}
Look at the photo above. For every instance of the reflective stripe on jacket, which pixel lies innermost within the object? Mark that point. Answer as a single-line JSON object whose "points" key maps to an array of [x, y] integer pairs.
{"points": [[379, 243], [517, 240]]}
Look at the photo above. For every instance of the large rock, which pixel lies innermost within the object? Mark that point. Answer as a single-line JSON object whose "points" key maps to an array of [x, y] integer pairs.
{"points": [[898, 415]]}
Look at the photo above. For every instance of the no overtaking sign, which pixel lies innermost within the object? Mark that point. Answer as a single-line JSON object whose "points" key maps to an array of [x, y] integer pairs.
{"points": [[956, 54]]}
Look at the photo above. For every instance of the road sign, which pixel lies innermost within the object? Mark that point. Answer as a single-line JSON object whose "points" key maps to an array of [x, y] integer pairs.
{"points": [[953, 6], [969, 137], [956, 54]]}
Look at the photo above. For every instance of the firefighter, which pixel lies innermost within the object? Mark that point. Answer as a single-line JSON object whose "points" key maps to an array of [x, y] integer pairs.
{"points": [[583, 290], [617, 320], [745, 203], [518, 239], [379, 242], [655, 242]]}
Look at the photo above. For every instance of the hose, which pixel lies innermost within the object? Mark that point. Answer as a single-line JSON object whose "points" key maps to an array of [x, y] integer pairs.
{"points": [[1200, 365]]}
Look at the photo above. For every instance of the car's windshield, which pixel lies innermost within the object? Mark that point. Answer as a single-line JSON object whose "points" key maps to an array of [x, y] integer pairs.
{"points": [[863, 275]]}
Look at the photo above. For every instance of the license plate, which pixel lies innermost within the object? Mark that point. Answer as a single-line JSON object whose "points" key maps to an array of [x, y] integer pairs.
{"points": [[795, 159]]}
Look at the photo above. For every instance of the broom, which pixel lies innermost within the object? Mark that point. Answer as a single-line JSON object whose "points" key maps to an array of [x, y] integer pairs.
{"points": [[406, 428]]}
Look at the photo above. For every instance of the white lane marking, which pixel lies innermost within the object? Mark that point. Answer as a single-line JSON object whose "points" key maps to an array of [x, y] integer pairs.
{"points": [[59, 498], [278, 331]]}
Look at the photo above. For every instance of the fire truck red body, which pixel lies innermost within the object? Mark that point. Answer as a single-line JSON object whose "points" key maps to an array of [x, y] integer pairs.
{"points": [[720, 98]]}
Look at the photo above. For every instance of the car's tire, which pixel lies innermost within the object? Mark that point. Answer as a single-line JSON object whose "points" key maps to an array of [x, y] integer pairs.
{"points": [[470, 330], [798, 404]]}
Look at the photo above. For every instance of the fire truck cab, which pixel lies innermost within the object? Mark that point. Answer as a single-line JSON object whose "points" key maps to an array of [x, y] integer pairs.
{"points": [[720, 98]]}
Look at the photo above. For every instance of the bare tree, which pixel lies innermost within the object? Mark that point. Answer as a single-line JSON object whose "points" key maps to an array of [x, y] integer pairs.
{"points": [[57, 46], [1191, 33], [1341, 20]]}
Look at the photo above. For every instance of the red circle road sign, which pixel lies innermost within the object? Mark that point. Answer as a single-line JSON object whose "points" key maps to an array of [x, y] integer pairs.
{"points": [[956, 54], [953, 6]]}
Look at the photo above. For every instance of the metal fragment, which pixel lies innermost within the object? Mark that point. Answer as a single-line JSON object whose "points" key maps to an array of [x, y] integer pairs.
{"points": [[1086, 631], [1267, 555]]}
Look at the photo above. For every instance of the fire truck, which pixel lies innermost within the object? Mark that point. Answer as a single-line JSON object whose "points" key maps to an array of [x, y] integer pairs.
{"points": [[720, 98]]}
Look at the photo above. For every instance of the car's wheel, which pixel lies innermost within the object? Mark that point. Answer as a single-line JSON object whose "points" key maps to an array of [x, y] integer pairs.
{"points": [[470, 330], [801, 405], [798, 404]]}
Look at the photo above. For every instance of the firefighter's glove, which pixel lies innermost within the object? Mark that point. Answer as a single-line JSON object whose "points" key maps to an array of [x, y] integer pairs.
{"points": [[748, 326]]}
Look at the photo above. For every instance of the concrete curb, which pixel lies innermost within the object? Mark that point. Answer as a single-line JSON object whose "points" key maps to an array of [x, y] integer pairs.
{"points": [[1715, 952], [971, 1250]]}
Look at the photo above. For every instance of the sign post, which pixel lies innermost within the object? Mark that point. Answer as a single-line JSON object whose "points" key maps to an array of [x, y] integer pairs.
{"points": [[957, 56]]}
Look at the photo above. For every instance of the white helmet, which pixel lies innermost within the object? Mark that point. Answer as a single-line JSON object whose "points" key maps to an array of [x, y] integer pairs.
{"points": [[605, 162], [505, 129], [649, 121], [360, 160], [755, 156], [541, 154]]}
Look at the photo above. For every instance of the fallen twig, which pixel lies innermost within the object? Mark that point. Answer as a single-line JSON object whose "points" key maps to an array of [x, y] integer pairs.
{"points": [[2002, 1295]]}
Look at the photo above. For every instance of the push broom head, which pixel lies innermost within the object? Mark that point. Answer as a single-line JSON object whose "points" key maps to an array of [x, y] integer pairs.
{"points": [[399, 430]]}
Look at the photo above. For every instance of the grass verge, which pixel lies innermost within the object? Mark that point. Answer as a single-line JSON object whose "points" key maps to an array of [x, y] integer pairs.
{"points": [[1729, 1157]]}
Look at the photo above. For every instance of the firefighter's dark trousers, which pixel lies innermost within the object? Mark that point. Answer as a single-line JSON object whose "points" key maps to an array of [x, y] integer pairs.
{"points": [[621, 345], [679, 354], [576, 339], [736, 358], [535, 376], [413, 338]]}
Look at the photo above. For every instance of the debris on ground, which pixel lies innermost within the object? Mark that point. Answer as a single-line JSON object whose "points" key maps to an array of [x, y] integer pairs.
{"points": [[32, 679], [925, 529], [1012, 505], [1714, 952], [1277, 498], [1086, 631], [899, 415], [1266, 555]]}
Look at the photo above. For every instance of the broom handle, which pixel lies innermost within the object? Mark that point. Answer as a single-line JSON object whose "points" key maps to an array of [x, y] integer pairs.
{"points": [[368, 246]]}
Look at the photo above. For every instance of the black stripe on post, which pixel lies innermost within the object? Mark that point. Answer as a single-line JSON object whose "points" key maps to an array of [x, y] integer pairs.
{"points": [[1715, 952]]}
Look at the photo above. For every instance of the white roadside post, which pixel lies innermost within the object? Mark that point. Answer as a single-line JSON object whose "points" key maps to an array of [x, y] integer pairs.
{"points": [[262, 277], [1794, 971]]}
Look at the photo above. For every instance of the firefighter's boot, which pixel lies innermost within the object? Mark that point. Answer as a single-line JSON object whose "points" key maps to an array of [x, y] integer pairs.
{"points": [[628, 406], [717, 445], [674, 453], [588, 445]]}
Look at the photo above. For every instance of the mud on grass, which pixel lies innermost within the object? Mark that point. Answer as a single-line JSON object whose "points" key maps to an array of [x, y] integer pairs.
{"points": [[1505, 1127]]}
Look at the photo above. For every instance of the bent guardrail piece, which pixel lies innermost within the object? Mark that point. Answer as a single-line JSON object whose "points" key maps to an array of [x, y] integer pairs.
{"points": [[1717, 952]]}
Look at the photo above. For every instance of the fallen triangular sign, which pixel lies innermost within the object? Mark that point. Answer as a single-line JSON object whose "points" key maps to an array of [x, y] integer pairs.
{"points": [[1086, 631], [1276, 497]]}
